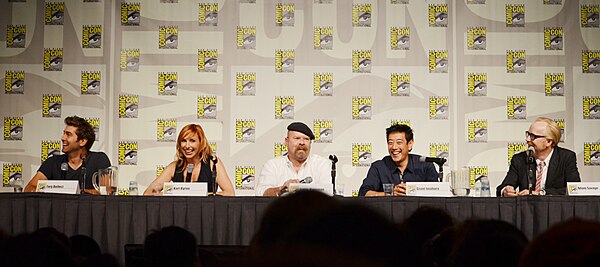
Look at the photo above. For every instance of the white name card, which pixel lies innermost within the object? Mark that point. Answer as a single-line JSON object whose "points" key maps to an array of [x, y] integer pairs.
{"points": [[185, 189], [428, 189], [325, 188], [583, 189], [58, 186]]}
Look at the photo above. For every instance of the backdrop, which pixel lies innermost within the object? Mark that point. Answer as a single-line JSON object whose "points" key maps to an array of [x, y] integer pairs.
{"points": [[468, 76]]}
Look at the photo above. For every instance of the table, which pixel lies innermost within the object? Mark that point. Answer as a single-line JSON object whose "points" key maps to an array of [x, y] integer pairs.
{"points": [[114, 221]]}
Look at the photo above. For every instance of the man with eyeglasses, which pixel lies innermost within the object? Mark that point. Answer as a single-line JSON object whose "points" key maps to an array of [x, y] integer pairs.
{"points": [[554, 166]]}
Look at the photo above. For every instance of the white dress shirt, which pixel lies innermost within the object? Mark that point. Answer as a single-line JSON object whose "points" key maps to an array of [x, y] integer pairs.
{"points": [[280, 169]]}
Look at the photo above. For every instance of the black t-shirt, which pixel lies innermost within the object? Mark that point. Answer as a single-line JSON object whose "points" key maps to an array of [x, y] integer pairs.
{"points": [[93, 162]]}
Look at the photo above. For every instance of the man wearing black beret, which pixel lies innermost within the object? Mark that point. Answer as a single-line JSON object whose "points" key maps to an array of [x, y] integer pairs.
{"points": [[294, 167]]}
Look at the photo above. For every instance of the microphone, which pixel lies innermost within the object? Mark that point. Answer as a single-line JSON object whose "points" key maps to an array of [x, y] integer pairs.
{"points": [[190, 169], [439, 161], [214, 175], [306, 180], [83, 171], [530, 152], [530, 168], [334, 160], [63, 168]]}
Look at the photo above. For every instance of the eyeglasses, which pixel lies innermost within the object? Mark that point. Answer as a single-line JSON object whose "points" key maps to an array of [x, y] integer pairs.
{"points": [[532, 136]]}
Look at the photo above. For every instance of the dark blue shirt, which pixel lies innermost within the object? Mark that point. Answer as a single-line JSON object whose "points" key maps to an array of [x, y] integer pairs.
{"points": [[94, 161], [385, 171]]}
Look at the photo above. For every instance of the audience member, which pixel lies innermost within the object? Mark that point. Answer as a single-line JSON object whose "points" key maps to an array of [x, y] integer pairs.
{"points": [[171, 246], [39, 249], [83, 247], [575, 242]]}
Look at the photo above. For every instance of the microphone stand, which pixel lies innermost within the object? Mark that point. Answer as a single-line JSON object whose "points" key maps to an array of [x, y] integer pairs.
{"points": [[530, 173], [214, 176], [334, 160], [441, 168]]}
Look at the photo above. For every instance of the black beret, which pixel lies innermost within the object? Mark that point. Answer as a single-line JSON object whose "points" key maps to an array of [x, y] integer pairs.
{"points": [[301, 127]]}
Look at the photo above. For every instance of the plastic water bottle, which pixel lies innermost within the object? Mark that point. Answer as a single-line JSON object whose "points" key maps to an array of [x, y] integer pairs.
{"points": [[485, 187], [18, 185], [133, 188], [478, 189]]}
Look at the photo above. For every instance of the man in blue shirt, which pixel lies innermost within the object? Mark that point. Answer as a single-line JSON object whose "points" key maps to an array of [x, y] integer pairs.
{"points": [[399, 167]]}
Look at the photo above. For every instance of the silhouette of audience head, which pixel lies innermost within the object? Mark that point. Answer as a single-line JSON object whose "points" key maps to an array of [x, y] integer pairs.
{"points": [[491, 243], [171, 246], [43, 248], [575, 242], [83, 247]]}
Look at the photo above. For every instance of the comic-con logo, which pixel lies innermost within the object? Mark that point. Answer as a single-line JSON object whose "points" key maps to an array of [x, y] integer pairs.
{"points": [[90, 82], [11, 172], [284, 14], [49, 149], [477, 131], [15, 36], [361, 61], [361, 155], [130, 14], [245, 177], [438, 107], [439, 150], [515, 15], [95, 123], [284, 60], [246, 37], [208, 14], [554, 84], [207, 107], [477, 84], [245, 131], [591, 154], [476, 38], [13, 128], [280, 149], [213, 148], [361, 15], [14, 82], [400, 84], [91, 36], [160, 169], [54, 13], [553, 38], [552, 2], [400, 38], [323, 38], [53, 59], [561, 125], [51, 105], [515, 148], [361, 107], [400, 122], [128, 106], [438, 61], [515, 61], [207, 60], [591, 107], [128, 152], [284, 107], [589, 16], [245, 83], [590, 61], [477, 173], [166, 130], [323, 84], [167, 83], [438, 15], [516, 107], [168, 37], [130, 60], [323, 130]]}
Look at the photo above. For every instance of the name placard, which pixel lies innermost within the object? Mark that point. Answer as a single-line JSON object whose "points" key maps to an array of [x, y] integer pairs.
{"points": [[583, 188], [58, 186], [325, 188], [185, 189], [428, 189]]}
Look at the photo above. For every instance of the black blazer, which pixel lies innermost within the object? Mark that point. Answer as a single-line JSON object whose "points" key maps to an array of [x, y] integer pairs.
{"points": [[562, 169]]}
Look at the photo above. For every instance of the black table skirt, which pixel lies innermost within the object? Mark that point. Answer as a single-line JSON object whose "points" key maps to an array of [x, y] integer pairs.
{"points": [[114, 221]]}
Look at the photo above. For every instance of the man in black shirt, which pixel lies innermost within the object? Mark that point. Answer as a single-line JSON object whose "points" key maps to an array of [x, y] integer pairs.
{"points": [[81, 163]]}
